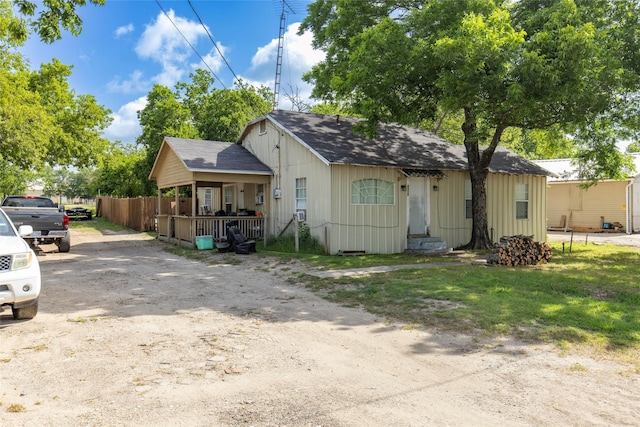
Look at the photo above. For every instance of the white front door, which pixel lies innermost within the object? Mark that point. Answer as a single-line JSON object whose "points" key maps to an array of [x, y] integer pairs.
{"points": [[419, 201]]}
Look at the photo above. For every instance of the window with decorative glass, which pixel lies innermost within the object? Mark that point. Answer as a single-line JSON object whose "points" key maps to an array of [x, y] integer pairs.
{"points": [[522, 201], [372, 191]]}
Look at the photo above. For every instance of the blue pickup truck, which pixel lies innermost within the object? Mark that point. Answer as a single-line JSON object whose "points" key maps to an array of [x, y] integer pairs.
{"points": [[49, 221]]}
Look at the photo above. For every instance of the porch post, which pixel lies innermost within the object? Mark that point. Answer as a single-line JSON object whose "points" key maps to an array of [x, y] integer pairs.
{"points": [[193, 198], [177, 201]]}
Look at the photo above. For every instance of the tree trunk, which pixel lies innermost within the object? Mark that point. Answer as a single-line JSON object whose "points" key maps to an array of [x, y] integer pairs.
{"points": [[480, 238], [478, 170]]}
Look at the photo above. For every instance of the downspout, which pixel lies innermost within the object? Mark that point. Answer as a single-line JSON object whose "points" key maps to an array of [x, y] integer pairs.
{"points": [[629, 208]]}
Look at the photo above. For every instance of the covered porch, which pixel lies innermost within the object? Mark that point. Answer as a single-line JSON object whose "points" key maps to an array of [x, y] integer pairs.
{"points": [[183, 230], [227, 184]]}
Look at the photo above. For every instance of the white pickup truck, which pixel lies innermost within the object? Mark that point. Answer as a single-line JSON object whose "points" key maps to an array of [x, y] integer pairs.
{"points": [[20, 278]]}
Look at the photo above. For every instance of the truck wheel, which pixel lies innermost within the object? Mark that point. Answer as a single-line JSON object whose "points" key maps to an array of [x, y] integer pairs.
{"points": [[28, 312], [64, 244]]}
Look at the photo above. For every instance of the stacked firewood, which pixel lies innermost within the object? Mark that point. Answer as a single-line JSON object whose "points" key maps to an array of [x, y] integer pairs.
{"points": [[519, 250]]}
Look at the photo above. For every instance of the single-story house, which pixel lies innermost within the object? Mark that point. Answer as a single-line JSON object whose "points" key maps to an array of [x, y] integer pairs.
{"points": [[596, 208], [406, 189]]}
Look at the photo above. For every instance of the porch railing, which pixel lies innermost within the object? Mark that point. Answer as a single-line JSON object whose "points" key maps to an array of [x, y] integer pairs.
{"points": [[184, 229]]}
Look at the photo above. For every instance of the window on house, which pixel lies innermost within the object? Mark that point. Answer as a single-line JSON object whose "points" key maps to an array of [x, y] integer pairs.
{"points": [[301, 195], [468, 200], [522, 201], [228, 199], [208, 197], [372, 192], [207, 204], [263, 126]]}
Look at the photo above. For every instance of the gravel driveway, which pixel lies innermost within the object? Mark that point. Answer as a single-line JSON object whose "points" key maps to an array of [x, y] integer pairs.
{"points": [[131, 335]]}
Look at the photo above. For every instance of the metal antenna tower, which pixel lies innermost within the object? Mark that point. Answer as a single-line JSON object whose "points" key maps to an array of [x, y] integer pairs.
{"points": [[286, 8]]}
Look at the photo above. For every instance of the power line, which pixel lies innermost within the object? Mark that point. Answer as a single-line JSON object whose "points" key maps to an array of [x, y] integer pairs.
{"points": [[237, 79], [250, 102], [190, 45]]}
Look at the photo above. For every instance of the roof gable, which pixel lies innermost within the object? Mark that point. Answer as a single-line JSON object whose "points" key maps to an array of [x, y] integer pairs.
{"points": [[213, 156], [332, 139]]}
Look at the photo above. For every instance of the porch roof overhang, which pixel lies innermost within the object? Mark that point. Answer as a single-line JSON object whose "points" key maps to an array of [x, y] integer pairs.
{"points": [[182, 162]]}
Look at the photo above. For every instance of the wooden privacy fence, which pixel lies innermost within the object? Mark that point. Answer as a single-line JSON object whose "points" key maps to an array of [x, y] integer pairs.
{"points": [[137, 213]]}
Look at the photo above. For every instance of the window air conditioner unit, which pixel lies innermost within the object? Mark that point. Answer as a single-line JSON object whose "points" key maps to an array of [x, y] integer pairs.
{"points": [[260, 199], [299, 216]]}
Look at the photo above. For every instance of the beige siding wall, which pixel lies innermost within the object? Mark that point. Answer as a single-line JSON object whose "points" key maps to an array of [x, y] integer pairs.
{"points": [[381, 229], [290, 160], [501, 206], [448, 208], [370, 228], [584, 207], [173, 170]]}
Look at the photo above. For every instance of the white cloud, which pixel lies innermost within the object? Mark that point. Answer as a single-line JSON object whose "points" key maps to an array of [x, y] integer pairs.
{"points": [[164, 44], [125, 126], [298, 57], [212, 59], [125, 29], [134, 84]]}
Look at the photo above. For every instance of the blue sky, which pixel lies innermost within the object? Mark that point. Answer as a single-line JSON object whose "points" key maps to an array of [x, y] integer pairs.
{"points": [[127, 46]]}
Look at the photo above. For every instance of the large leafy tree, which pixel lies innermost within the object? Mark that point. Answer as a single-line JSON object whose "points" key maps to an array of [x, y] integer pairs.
{"points": [[42, 120], [164, 115], [527, 64], [13, 180], [76, 121], [198, 110], [120, 172], [221, 114], [48, 18]]}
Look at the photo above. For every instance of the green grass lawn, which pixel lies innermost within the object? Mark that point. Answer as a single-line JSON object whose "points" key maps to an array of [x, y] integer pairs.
{"points": [[587, 298]]}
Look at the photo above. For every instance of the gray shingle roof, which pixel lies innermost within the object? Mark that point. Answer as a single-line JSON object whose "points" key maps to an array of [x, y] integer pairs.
{"points": [[216, 156], [396, 146]]}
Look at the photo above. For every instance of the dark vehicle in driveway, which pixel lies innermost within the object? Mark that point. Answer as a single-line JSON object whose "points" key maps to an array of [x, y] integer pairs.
{"points": [[49, 221], [79, 213]]}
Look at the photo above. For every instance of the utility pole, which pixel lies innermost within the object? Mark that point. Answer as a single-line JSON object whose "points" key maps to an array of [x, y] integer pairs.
{"points": [[286, 8]]}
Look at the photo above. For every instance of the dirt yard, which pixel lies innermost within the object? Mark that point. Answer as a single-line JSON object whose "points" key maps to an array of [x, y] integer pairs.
{"points": [[130, 335]]}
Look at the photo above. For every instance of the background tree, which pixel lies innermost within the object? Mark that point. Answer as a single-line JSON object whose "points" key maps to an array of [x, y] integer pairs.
{"points": [[82, 184], [76, 122], [221, 114], [48, 18], [530, 64], [298, 103], [119, 173], [164, 115], [13, 180], [197, 110], [533, 144], [42, 121], [56, 183]]}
